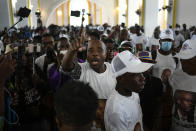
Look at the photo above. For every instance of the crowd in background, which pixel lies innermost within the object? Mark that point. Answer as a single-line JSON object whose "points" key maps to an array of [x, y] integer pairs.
{"points": [[66, 78]]}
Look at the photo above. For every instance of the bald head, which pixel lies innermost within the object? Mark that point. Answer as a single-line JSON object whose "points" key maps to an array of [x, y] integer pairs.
{"points": [[96, 55]]}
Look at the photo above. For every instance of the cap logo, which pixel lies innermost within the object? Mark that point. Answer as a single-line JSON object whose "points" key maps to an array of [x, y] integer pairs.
{"points": [[118, 64], [186, 46]]}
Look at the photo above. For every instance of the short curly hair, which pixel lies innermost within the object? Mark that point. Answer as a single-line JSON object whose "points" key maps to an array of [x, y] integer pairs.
{"points": [[75, 103]]}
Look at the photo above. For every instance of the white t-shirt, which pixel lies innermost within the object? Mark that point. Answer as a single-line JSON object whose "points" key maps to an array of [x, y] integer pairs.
{"points": [[40, 62], [184, 91], [1, 46], [122, 113], [140, 40], [163, 62], [102, 83], [178, 39], [152, 41], [193, 37]]}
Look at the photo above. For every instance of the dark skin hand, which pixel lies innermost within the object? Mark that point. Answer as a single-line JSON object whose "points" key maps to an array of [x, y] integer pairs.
{"points": [[75, 46]]}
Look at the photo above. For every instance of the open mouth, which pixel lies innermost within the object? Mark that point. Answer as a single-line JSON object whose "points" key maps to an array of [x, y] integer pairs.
{"points": [[94, 61]]}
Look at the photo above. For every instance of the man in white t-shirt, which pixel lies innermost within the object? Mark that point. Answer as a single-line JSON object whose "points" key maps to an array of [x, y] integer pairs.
{"points": [[183, 82], [95, 71], [164, 54], [123, 111], [179, 39], [153, 43], [139, 39]]}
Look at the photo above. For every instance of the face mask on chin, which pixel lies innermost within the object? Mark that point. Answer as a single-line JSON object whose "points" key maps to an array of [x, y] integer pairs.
{"points": [[166, 45]]}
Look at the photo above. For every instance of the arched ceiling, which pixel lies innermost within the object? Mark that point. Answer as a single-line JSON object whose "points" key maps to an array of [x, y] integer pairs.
{"points": [[49, 6]]}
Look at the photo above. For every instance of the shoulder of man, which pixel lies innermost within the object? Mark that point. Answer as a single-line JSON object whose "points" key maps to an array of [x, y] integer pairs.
{"points": [[40, 58], [77, 71]]}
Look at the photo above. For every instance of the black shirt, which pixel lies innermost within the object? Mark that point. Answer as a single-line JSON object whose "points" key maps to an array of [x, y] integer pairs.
{"points": [[149, 99]]}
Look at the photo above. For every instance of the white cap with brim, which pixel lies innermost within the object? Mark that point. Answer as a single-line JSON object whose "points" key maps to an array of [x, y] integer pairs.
{"points": [[126, 62], [64, 36], [167, 34], [188, 50], [126, 42]]}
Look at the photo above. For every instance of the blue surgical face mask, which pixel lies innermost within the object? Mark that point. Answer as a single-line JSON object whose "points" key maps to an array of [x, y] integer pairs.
{"points": [[166, 45]]}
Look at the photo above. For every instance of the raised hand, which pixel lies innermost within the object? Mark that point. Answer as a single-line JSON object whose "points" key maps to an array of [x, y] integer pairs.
{"points": [[77, 44]]}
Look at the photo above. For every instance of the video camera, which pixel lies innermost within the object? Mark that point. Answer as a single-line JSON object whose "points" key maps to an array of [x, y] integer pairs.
{"points": [[23, 12], [75, 13]]}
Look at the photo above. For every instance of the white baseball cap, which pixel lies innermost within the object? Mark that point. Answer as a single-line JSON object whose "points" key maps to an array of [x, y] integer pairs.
{"points": [[127, 62], [126, 42], [188, 50], [64, 36], [167, 34]]}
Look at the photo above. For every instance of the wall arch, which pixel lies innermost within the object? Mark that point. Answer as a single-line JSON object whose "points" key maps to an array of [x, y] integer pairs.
{"points": [[107, 7]]}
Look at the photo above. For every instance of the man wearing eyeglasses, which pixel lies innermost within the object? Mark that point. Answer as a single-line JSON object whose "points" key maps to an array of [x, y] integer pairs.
{"points": [[50, 56]]}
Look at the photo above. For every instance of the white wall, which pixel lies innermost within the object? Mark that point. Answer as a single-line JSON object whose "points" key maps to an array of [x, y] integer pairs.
{"points": [[108, 12], [4, 14], [133, 18], [151, 16], [52, 19], [48, 14], [34, 3], [122, 11], [19, 4], [186, 12]]}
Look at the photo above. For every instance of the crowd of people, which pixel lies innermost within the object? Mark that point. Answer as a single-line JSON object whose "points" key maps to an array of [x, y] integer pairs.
{"points": [[97, 78]]}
